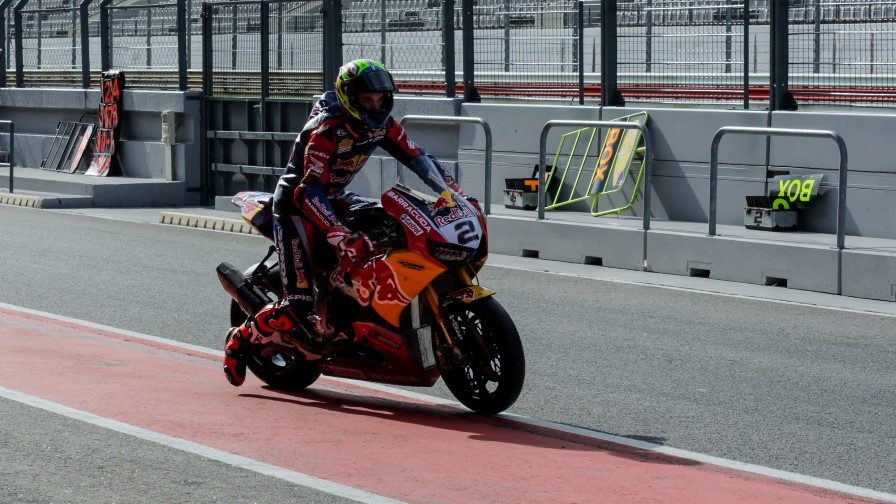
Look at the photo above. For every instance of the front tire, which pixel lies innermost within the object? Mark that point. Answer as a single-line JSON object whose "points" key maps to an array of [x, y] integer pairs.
{"points": [[279, 368], [487, 372]]}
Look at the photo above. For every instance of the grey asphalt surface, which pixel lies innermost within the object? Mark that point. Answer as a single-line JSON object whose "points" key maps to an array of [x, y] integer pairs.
{"points": [[788, 385], [50, 459]]}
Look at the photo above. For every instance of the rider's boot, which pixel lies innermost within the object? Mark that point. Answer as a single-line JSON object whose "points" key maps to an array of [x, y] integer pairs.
{"points": [[234, 353], [268, 320]]}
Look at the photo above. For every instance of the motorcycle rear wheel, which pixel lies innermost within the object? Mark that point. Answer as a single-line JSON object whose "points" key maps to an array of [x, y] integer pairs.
{"points": [[280, 370], [491, 369]]}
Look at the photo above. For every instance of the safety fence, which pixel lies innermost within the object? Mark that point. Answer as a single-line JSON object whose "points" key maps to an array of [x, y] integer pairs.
{"points": [[262, 49], [729, 53]]}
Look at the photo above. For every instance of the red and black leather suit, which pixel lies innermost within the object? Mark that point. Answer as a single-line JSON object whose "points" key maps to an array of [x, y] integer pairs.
{"points": [[311, 196]]}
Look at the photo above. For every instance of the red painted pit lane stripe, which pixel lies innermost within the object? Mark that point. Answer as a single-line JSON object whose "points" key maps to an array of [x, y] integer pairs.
{"points": [[396, 448], [198, 449]]}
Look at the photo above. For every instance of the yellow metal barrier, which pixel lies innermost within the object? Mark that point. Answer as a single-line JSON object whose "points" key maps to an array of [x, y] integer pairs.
{"points": [[620, 150]]}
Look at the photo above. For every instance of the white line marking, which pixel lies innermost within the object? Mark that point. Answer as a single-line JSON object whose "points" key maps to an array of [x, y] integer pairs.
{"points": [[633, 443], [294, 477], [709, 459]]}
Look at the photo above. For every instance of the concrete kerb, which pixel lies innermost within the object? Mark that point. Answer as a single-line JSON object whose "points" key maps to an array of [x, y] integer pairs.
{"points": [[19, 200], [45, 200], [205, 222]]}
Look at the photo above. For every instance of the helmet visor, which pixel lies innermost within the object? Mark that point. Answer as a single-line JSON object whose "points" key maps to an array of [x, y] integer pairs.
{"points": [[375, 81]]}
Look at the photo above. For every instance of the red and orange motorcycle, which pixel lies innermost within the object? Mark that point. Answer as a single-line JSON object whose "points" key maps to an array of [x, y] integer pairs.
{"points": [[410, 314]]}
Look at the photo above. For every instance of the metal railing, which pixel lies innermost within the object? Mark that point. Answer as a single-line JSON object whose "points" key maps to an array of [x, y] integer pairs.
{"points": [[487, 130], [841, 200], [648, 166], [12, 150]]}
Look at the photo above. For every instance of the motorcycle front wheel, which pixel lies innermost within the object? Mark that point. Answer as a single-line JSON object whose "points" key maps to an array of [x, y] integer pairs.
{"points": [[487, 372], [280, 369]]}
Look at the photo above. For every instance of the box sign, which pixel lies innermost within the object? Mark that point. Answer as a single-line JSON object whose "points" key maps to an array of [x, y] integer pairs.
{"points": [[788, 192]]}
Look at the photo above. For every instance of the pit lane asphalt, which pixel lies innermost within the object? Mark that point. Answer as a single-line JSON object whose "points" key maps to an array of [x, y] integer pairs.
{"points": [[791, 385]]}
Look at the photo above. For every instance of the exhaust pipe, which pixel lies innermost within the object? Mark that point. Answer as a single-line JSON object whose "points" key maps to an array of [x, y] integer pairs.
{"points": [[237, 286]]}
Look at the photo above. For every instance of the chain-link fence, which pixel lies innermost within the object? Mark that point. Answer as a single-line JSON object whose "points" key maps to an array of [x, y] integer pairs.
{"points": [[271, 48], [843, 52], [707, 52], [409, 37], [51, 36], [527, 48], [143, 37], [694, 52]]}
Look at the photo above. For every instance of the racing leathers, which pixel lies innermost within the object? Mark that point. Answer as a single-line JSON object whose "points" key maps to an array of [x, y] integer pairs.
{"points": [[310, 198]]}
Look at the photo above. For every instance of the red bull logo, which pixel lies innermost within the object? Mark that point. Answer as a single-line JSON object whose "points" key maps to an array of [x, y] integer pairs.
{"points": [[466, 294], [456, 213], [362, 285], [389, 292]]}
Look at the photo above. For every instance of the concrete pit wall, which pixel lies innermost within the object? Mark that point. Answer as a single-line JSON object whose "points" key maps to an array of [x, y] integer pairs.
{"points": [[37, 113]]}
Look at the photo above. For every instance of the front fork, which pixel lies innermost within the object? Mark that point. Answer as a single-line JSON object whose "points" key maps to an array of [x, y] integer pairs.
{"points": [[468, 293]]}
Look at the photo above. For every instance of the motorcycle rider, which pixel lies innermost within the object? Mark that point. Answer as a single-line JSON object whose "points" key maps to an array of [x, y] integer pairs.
{"points": [[343, 129]]}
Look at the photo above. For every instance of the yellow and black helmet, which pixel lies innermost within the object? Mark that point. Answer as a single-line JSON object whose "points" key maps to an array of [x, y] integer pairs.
{"points": [[364, 76]]}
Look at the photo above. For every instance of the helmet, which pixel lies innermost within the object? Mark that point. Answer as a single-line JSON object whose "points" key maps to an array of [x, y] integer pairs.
{"points": [[363, 76]]}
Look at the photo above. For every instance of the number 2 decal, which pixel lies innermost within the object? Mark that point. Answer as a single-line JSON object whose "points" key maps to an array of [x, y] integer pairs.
{"points": [[466, 232]]}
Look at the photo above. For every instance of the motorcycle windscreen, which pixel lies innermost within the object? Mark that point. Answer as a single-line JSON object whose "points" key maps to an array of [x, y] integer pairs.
{"points": [[400, 276]]}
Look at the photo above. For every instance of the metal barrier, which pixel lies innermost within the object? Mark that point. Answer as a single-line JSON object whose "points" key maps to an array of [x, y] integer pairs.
{"points": [[648, 158], [12, 150], [648, 166], [841, 202], [487, 201]]}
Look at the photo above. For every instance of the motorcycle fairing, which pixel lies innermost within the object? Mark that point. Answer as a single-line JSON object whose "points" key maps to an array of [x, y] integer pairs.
{"points": [[255, 208], [387, 283], [401, 366], [458, 224], [410, 274]]}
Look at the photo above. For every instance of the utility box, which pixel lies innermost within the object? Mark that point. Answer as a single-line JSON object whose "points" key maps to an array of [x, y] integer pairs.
{"points": [[169, 127], [760, 215], [169, 140], [777, 210], [521, 193]]}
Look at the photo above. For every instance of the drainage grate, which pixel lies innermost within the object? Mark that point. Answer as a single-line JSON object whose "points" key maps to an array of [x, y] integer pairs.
{"points": [[68, 148]]}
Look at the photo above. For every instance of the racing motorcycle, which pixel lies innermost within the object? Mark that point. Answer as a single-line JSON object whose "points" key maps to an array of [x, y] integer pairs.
{"points": [[410, 314]]}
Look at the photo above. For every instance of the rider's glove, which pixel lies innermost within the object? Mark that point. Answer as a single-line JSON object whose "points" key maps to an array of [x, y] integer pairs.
{"points": [[356, 246]]}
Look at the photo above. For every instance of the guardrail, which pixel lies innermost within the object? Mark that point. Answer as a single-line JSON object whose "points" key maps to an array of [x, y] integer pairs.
{"points": [[487, 201], [841, 201], [12, 150]]}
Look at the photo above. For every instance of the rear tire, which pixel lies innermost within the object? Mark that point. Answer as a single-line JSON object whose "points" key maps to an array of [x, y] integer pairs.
{"points": [[491, 370], [279, 369]]}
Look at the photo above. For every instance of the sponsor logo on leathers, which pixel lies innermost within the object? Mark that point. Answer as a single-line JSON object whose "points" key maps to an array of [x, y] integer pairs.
{"points": [[298, 264]]}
